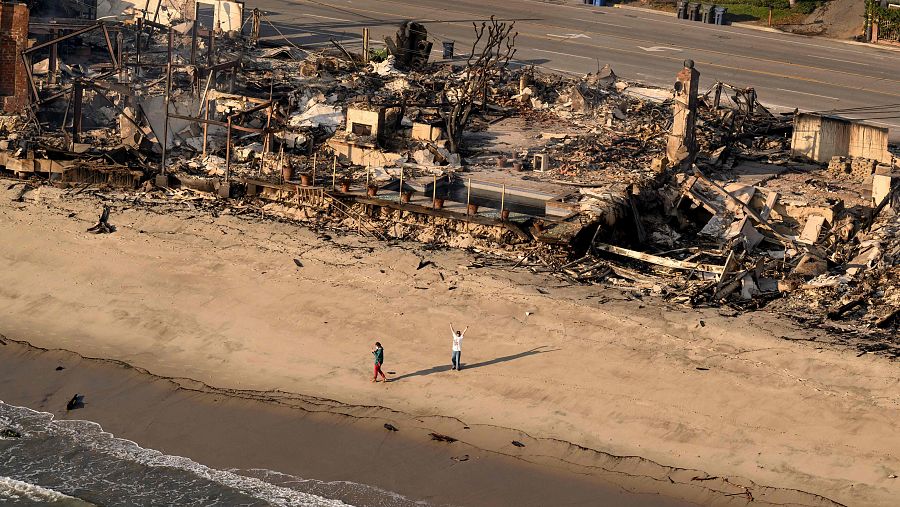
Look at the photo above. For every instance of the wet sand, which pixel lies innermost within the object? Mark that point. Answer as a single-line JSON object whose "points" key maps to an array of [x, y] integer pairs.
{"points": [[330, 441], [218, 298]]}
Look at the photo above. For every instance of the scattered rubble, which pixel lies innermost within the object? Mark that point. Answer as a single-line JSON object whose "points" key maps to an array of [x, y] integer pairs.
{"points": [[701, 198]]}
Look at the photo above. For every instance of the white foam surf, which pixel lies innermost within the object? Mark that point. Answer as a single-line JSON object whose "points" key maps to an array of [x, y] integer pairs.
{"points": [[12, 490], [91, 437]]}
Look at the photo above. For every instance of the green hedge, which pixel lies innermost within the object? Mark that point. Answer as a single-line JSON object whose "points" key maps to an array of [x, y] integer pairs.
{"points": [[881, 14], [802, 7]]}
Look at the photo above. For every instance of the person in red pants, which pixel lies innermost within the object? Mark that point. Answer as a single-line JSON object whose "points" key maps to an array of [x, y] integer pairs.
{"points": [[379, 360]]}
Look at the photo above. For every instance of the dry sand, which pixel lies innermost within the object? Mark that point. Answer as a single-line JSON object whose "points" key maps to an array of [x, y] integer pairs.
{"points": [[184, 293]]}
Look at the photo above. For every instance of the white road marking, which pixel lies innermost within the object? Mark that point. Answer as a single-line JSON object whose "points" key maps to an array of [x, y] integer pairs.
{"points": [[560, 54], [857, 62], [594, 21], [569, 36], [306, 14], [659, 48], [805, 93]]}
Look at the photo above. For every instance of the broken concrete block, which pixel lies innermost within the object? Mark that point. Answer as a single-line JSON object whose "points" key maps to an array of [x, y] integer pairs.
{"points": [[812, 229], [659, 165], [579, 103], [869, 251], [425, 132], [423, 157], [224, 189], [883, 169], [541, 162], [604, 78], [881, 186]]}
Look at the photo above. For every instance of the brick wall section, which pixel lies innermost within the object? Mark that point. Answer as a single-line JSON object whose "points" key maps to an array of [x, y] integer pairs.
{"points": [[13, 40]]}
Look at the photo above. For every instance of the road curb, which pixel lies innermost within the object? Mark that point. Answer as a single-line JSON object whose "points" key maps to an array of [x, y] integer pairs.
{"points": [[644, 9]]}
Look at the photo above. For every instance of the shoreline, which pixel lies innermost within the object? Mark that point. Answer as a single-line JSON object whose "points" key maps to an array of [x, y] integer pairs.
{"points": [[210, 291], [327, 441]]}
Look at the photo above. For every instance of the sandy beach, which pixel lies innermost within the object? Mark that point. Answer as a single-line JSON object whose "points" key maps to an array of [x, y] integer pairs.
{"points": [[580, 375]]}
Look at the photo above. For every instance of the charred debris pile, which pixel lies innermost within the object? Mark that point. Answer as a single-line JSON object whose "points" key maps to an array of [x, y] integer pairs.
{"points": [[702, 197]]}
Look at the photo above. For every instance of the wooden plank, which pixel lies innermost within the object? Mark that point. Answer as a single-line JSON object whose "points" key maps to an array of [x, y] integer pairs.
{"points": [[750, 211], [771, 200], [661, 261]]}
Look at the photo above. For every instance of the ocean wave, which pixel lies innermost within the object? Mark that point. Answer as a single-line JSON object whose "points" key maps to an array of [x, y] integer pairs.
{"points": [[84, 439], [354, 492], [21, 492]]}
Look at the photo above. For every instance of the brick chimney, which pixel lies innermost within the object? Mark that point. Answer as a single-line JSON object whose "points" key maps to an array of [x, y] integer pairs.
{"points": [[13, 40]]}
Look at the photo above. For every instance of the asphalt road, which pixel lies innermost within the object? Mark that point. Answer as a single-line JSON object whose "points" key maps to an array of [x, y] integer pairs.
{"points": [[788, 71]]}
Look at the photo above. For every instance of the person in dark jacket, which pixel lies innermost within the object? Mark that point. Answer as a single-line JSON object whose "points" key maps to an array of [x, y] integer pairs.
{"points": [[379, 360]]}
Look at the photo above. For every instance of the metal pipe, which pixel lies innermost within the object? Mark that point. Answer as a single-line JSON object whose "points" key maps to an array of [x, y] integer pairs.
{"points": [[54, 61], [165, 139], [120, 50], [468, 193], [137, 38], [76, 114], [205, 123], [194, 34], [228, 151], [239, 128], [57, 40], [109, 47], [210, 52]]}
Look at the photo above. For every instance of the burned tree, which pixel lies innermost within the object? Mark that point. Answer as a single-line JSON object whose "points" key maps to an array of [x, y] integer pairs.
{"points": [[492, 49]]}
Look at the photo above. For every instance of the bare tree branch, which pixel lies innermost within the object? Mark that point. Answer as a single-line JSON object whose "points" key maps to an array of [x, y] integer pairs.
{"points": [[492, 49]]}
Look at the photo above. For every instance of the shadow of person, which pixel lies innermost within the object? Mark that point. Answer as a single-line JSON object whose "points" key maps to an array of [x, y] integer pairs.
{"points": [[446, 367]]}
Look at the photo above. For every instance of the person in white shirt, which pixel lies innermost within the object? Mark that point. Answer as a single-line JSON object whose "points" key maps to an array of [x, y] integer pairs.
{"points": [[457, 346]]}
